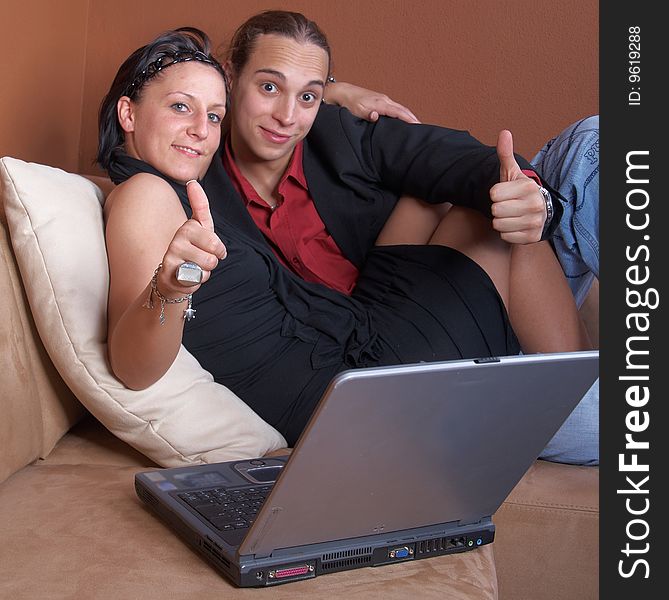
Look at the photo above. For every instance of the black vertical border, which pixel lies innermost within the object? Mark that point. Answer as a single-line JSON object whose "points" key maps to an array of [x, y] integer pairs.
{"points": [[627, 127]]}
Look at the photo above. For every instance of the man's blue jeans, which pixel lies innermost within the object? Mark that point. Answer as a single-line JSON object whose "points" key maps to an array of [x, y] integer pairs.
{"points": [[570, 164]]}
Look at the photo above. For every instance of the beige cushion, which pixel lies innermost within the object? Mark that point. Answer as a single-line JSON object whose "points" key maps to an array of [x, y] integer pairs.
{"points": [[56, 226]]}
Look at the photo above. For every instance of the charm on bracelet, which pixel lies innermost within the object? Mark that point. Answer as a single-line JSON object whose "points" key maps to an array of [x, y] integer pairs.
{"points": [[189, 313]]}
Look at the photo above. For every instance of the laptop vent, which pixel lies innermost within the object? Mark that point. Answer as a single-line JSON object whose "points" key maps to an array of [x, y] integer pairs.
{"points": [[211, 551], [346, 554], [145, 495], [347, 563]]}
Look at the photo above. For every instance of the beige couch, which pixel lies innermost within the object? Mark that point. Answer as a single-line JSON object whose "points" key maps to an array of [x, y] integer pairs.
{"points": [[71, 526]]}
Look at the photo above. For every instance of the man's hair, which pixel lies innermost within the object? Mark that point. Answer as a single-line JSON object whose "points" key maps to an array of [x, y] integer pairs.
{"points": [[288, 24]]}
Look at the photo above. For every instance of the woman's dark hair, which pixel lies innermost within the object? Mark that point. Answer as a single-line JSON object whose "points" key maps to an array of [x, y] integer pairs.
{"points": [[292, 25], [171, 47]]}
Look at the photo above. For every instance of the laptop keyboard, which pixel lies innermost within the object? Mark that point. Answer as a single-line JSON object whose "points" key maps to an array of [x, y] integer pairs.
{"points": [[228, 509]]}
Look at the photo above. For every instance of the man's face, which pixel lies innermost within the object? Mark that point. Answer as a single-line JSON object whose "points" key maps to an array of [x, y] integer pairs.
{"points": [[275, 99]]}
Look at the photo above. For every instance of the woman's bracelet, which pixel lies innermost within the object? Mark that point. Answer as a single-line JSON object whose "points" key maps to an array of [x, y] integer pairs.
{"points": [[189, 313]]}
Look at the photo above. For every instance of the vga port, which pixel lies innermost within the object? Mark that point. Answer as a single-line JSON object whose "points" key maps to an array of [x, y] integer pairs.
{"points": [[401, 552]]}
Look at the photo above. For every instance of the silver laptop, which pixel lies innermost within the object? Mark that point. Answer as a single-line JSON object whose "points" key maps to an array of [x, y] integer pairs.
{"points": [[396, 464]]}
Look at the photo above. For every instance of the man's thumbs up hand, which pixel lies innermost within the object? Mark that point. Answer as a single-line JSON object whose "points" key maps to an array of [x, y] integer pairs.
{"points": [[518, 208]]}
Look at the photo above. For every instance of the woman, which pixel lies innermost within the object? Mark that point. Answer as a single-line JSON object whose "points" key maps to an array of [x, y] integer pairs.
{"points": [[272, 324], [126, 132]]}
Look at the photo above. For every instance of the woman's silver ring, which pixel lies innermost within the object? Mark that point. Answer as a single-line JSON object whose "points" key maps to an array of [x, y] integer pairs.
{"points": [[189, 273]]}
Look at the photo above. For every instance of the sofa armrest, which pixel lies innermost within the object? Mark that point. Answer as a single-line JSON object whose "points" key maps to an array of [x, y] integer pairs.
{"points": [[37, 407], [547, 535]]}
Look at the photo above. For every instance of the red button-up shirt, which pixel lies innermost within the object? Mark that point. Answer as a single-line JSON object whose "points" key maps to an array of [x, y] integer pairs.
{"points": [[295, 230]]}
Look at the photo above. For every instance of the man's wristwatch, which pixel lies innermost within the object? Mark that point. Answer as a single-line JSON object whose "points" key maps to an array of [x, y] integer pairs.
{"points": [[549, 209]]}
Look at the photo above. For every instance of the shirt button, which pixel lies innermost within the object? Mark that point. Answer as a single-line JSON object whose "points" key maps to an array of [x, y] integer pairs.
{"points": [[296, 261]]}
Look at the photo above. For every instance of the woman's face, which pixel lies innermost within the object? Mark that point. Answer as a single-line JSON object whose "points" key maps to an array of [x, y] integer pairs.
{"points": [[275, 99], [175, 126]]}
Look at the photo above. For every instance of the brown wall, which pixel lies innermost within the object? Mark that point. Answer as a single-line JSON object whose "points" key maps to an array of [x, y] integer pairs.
{"points": [[42, 80], [527, 65]]}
